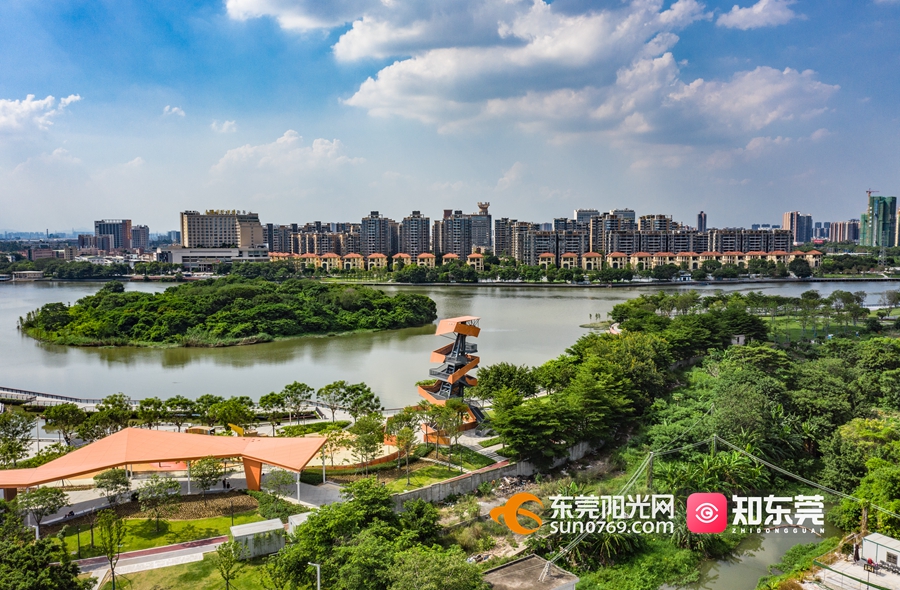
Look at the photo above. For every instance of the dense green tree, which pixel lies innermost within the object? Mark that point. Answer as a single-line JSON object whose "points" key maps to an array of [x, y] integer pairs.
{"points": [[203, 405], [296, 398], [26, 563], [231, 411], [333, 396], [800, 268], [368, 437], [421, 520], [15, 436], [160, 497], [600, 398], [536, 430], [116, 410], [152, 411], [228, 310], [273, 406], [65, 418], [205, 473], [179, 410], [112, 484], [421, 568], [495, 377], [361, 400], [42, 502]]}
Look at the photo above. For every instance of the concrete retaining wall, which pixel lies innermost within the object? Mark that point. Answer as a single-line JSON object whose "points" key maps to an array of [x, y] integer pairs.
{"points": [[466, 484]]}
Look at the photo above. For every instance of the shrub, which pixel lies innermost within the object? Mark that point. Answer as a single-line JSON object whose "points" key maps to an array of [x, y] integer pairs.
{"points": [[273, 507]]}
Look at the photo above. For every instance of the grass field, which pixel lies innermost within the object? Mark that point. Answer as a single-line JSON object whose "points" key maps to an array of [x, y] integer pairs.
{"points": [[200, 575], [422, 477], [470, 459], [141, 533], [491, 442]]}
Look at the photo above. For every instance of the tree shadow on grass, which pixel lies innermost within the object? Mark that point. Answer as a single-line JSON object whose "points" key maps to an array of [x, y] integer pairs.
{"points": [[146, 530], [191, 532]]}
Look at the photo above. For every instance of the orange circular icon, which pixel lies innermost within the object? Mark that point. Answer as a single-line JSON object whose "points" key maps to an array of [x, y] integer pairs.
{"points": [[513, 508]]}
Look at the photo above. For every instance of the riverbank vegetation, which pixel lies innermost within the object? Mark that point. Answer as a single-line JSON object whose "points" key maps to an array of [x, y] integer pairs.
{"points": [[824, 408], [223, 312]]}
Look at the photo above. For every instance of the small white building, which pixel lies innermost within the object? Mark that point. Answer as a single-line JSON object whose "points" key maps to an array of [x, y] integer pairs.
{"points": [[878, 548], [260, 538]]}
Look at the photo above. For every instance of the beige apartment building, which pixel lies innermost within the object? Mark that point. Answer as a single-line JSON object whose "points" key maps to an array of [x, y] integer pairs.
{"points": [[221, 229]]}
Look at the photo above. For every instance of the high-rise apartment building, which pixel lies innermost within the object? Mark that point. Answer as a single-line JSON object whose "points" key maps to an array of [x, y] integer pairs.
{"points": [[627, 214], [174, 236], [556, 242], [453, 234], [878, 225], [218, 228], [140, 237], [583, 216], [655, 223], [801, 226], [415, 234], [278, 237], [375, 235], [482, 228], [119, 229], [701, 221], [609, 222], [844, 231]]}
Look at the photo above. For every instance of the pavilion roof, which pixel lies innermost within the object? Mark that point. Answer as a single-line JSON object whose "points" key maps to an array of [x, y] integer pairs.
{"points": [[138, 445]]}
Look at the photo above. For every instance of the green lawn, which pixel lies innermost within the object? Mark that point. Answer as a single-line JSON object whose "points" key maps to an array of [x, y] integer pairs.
{"points": [[200, 575], [422, 477], [491, 442], [142, 533], [470, 459]]}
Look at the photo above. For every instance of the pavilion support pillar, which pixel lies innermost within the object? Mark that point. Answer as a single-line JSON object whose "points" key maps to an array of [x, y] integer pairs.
{"points": [[253, 473], [9, 494]]}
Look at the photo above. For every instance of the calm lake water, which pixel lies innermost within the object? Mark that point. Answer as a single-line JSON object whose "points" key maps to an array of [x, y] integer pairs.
{"points": [[522, 325]]}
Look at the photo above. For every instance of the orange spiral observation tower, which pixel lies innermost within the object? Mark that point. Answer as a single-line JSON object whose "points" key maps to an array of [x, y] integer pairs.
{"points": [[452, 379]]}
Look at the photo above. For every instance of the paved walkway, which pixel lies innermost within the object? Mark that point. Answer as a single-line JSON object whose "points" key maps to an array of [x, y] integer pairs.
{"points": [[148, 559], [153, 554]]}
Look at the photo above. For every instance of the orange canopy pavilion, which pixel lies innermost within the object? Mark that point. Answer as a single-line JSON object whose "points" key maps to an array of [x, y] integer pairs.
{"points": [[136, 445]]}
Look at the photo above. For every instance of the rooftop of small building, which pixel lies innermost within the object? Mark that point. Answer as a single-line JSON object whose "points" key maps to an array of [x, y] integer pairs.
{"points": [[255, 528], [523, 574]]}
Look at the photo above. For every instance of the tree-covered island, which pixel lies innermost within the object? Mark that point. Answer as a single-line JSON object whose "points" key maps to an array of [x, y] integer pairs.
{"points": [[223, 312]]}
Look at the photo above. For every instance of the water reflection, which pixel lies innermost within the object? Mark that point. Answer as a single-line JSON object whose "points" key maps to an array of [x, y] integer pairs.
{"points": [[521, 325]]}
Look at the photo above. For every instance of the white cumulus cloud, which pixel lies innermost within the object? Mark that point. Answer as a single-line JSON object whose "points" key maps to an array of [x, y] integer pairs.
{"points": [[170, 110], [511, 177], [223, 127], [20, 114], [765, 13], [286, 154]]}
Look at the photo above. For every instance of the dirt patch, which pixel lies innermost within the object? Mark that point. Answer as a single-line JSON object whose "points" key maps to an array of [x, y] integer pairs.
{"points": [[190, 508]]}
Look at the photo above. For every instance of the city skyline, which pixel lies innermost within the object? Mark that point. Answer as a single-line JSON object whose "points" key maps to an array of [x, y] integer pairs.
{"points": [[133, 110]]}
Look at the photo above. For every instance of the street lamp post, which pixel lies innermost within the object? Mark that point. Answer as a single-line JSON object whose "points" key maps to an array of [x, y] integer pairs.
{"points": [[318, 575]]}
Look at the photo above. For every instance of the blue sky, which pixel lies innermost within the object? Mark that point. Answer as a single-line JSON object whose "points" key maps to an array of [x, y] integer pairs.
{"points": [[306, 110]]}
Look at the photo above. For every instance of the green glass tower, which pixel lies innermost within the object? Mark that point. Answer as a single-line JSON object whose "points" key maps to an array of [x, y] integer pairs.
{"points": [[878, 225]]}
